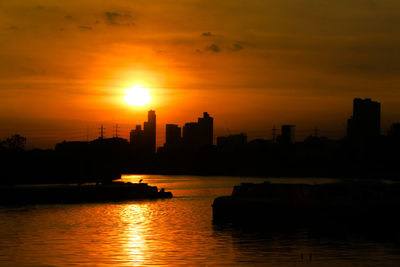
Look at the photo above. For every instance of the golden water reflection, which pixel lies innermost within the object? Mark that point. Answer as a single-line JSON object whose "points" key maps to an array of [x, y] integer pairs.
{"points": [[166, 232], [134, 246]]}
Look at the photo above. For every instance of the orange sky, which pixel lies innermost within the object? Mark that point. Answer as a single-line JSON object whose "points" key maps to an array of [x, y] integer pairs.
{"points": [[64, 65]]}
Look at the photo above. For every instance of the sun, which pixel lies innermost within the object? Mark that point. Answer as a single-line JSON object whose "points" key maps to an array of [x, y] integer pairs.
{"points": [[137, 96]]}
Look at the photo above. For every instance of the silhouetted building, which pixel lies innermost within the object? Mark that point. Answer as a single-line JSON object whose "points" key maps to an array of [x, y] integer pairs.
{"points": [[206, 129], [136, 136], [287, 134], [149, 130], [191, 134], [232, 142], [365, 123], [172, 134], [173, 139], [72, 146], [394, 130], [103, 145], [145, 139], [198, 134]]}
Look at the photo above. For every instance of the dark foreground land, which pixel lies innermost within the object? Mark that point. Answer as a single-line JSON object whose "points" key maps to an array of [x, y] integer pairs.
{"points": [[346, 203], [46, 194], [102, 160]]}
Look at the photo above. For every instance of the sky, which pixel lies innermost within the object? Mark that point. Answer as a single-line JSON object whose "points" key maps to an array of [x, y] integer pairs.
{"points": [[253, 64]]}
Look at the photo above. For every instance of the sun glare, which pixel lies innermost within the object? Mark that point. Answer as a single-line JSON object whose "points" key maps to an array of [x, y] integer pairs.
{"points": [[137, 96]]}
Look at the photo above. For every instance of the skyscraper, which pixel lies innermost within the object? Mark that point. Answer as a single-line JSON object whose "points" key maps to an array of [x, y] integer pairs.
{"points": [[200, 133], [149, 130], [287, 134], [206, 129], [172, 134], [365, 123], [136, 136], [145, 139]]}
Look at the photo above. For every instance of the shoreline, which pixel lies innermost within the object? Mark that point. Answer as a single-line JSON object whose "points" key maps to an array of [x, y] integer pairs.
{"points": [[78, 193]]}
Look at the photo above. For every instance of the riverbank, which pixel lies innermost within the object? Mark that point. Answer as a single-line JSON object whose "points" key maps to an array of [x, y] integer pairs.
{"points": [[78, 193], [345, 201]]}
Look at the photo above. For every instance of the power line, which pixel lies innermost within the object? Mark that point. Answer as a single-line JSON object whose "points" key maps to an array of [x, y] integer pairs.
{"points": [[116, 130], [102, 132]]}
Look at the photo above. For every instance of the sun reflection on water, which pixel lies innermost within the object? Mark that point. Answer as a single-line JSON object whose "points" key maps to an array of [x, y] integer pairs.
{"points": [[134, 221], [177, 231]]}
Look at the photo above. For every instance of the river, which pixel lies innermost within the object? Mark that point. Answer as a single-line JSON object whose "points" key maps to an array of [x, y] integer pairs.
{"points": [[173, 231]]}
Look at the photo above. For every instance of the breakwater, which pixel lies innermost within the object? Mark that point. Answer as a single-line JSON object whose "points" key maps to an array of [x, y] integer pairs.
{"points": [[347, 201], [75, 193]]}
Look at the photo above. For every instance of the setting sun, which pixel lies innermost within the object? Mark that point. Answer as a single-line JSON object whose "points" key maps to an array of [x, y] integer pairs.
{"points": [[137, 96]]}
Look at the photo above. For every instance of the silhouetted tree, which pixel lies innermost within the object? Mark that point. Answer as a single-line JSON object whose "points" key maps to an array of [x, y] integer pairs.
{"points": [[15, 142], [2, 145]]}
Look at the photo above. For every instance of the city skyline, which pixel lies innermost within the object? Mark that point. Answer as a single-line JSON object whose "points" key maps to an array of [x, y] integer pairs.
{"points": [[363, 124], [199, 132], [125, 131], [190, 149], [260, 62]]}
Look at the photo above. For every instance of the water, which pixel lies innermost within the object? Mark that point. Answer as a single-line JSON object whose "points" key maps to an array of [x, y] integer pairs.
{"points": [[173, 231]]}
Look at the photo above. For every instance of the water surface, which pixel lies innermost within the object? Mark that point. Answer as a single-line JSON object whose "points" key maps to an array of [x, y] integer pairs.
{"points": [[174, 231]]}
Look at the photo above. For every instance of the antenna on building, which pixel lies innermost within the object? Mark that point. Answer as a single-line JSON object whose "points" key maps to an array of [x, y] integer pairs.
{"points": [[101, 132], [87, 133], [274, 134]]}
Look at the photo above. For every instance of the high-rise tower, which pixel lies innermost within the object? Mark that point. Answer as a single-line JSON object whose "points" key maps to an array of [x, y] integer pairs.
{"points": [[145, 140], [366, 120], [206, 129], [172, 134], [149, 130], [199, 134]]}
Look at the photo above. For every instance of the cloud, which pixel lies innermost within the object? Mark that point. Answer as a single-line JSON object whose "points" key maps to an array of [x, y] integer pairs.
{"points": [[214, 48], [118, 19], [112, 17], [68, 17], [217, 48], [84, 27], [237, 47], [207, 34], [160, 51]]}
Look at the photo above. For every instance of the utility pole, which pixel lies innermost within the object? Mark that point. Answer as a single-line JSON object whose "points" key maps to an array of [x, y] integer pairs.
{"points": [[101, 132], [116, 130]]}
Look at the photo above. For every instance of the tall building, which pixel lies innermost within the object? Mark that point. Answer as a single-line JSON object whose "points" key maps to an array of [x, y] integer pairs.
{"points": [[191, 135], [149, 130], [136, 136], [145, 139], [206, 129], [365, 123], [200, 133], [287, 134], [172, 134]]}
